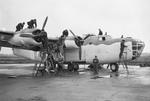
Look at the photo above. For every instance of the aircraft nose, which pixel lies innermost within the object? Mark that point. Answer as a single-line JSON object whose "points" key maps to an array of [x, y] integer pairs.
{"points": [[141, 46], [138, 47]]}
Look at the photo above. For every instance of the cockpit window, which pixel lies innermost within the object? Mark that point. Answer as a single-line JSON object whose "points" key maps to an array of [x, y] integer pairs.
{"points": [[137, 47], [134, 42], [101, 38], [134, 48]]}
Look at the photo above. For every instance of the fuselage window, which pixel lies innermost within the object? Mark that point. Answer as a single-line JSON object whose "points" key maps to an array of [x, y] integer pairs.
{"points": [[102, 39]]}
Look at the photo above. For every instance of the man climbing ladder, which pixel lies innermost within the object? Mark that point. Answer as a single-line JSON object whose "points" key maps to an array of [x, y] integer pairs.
{"points": [[121, 55]]}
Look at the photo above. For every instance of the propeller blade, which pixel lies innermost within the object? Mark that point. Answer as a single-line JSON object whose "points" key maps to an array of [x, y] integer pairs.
{"points": [[44, 23], [72, 33], [80, 52], [79, 41]]}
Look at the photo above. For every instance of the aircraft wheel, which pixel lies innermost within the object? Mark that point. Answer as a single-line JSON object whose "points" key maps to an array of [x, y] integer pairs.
{"points": [[114, 67], [76, 67], [70, 67]]}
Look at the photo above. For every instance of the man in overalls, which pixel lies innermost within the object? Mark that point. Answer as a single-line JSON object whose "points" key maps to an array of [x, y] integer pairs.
{"points": [[122, 46], [95, 65], [32, 24], [19, 26]]}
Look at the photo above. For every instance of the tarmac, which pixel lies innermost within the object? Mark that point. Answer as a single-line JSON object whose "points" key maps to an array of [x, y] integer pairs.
{"points": [[18, 84]]}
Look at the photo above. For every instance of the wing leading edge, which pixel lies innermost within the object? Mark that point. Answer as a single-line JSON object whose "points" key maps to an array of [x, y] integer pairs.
{"points": [[6, 35]]}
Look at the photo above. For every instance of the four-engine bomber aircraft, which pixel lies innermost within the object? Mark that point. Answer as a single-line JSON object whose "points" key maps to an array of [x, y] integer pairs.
{"points": [[28, 43]]}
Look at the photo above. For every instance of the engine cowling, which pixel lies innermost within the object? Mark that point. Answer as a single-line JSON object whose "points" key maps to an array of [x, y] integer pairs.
{"points": [[39, 35]]}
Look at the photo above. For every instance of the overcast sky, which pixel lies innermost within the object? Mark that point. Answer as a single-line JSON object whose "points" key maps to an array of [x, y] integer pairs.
{"points": [[116, 17]]}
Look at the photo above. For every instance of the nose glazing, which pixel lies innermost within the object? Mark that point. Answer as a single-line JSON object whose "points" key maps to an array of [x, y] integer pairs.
{"points": [[137, 47]]}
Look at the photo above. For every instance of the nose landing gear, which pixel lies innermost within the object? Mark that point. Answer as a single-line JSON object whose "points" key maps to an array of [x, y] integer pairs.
{"points": [[114, 67]]}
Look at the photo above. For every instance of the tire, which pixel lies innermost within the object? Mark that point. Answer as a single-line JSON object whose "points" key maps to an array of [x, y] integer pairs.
{"points": [[70, 67], [76, 67], [114, 67]]}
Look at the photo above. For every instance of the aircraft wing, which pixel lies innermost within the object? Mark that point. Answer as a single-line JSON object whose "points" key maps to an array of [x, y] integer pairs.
{"points": [[55, 39], [6, 35]]}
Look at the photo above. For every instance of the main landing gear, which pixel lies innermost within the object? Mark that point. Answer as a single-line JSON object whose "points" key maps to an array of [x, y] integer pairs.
{"points": [[73, 67]]}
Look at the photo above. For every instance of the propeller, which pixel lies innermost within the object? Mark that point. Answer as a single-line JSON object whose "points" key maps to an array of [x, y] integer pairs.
{"points": [[79, 42], [44, 38], [41, 35], [44, 24], [72, 33]]}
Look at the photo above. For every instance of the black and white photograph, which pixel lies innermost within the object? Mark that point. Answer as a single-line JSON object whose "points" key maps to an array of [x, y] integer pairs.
{"points": [[74, 50]]}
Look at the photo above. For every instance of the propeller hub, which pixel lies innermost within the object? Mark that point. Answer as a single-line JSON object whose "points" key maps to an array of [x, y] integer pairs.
{"points": [[39, 37]]}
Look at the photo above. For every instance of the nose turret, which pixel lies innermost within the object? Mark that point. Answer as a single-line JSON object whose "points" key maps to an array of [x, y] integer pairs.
{"points": [[137, 47]]}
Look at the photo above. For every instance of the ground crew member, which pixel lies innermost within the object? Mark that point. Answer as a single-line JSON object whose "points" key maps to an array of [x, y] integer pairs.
{"points": [[32, 24], [60, 50], [50, 61], [100, 32], [61, 41], [95, 60], [44, 40], [19, 26], [95, 65], [122, 46]]}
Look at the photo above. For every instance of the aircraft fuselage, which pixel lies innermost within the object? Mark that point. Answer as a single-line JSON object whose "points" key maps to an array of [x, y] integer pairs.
{"points": [[107, 51]]}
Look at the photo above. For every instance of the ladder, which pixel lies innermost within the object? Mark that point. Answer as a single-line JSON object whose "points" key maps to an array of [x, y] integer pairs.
{"points": [[38, 68], [124, 58]]}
